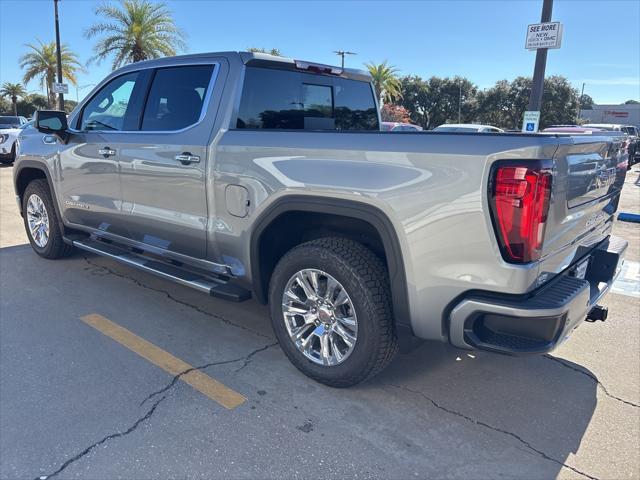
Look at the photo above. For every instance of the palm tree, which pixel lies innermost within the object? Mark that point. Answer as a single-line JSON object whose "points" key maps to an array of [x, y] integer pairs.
{"points": [[385, 81], [135, 30], [13, 90], [41, 63]]}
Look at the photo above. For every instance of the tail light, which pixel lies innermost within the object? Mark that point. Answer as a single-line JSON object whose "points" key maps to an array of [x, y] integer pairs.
{"points": [[519, 197]]}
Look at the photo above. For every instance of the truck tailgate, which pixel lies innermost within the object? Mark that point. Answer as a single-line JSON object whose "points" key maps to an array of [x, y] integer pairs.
{"points": [[589, 175]]}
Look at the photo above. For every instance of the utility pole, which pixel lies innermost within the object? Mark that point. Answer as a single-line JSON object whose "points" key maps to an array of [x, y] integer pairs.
{"points": [[58, 56], [535, 101], [342, 53], [580, 104], [460, 101]]}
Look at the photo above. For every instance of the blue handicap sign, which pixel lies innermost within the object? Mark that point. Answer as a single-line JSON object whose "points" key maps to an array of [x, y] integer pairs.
{"points": [[530, 126]]}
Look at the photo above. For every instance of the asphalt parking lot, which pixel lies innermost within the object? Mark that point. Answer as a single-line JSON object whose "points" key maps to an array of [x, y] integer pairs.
{"points": [[82, 395]]}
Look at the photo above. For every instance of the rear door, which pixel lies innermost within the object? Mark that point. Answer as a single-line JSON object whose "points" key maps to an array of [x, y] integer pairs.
{"points": [[163, 171]]}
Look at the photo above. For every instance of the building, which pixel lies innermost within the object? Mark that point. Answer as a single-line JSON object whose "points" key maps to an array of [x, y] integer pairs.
{"points": [[625, 114]]}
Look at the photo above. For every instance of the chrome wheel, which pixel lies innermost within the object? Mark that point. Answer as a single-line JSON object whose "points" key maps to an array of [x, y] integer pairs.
{"points": [[319, 316], [38, 220]]}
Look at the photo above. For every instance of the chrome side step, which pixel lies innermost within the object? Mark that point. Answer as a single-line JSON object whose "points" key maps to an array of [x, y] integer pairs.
{"points": [[213, 286]]}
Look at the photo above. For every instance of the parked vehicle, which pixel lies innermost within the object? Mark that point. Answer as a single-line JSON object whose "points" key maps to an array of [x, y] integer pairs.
{"points": [[9, 131], [633, 143], [399, 127], [467, 128], [242, 175], [572, 129]]}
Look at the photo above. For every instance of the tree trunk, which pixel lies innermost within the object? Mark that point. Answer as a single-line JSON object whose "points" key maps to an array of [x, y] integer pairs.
{"points": [[14, 101], [51, 101], [138, 54]]}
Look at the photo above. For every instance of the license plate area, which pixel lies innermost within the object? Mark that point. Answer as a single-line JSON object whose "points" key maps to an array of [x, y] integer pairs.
{"points": [[580, 270]]}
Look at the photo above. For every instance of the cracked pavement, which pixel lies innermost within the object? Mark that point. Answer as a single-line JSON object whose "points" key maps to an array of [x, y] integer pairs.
{"points": [[76, 404]]}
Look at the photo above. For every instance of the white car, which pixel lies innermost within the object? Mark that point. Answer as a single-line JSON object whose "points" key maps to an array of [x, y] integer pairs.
{"points": [[467, 127], [10, 128]]}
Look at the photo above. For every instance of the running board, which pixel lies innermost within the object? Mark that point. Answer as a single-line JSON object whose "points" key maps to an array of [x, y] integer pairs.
{"points": [[213, 286]]}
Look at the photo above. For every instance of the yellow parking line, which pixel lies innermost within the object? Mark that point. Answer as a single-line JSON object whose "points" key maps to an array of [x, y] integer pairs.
{"points": [[200, 381]]}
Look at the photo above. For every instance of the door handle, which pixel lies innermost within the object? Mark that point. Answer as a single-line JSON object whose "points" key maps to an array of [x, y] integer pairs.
{"points": [[186, 158], [106, 152]]}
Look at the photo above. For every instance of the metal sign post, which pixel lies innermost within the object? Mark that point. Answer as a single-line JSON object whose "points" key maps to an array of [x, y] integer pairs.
{"points": [[58, 56], [535, 100]]}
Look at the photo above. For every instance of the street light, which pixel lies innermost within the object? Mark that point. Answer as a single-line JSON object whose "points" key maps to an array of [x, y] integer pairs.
{"points": [[342, 53], [82, 87]]}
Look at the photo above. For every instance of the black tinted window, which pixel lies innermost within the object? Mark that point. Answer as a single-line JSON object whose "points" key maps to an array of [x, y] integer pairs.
{"points": [[176, 97], [282, 99]]}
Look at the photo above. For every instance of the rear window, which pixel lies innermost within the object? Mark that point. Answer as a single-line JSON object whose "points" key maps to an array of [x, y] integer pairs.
{"points": [[282, 99], [176, 97]]}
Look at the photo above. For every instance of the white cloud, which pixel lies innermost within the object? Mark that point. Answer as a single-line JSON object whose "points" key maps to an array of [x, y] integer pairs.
{"points": [[631, 81]]}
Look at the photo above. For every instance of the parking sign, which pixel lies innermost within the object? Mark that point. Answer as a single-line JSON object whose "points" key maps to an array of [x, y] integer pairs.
{"points": [[531, 121]]}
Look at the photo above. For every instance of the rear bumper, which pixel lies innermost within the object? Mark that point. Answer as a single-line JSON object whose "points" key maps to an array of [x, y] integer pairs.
{"points": [[539, 321]]}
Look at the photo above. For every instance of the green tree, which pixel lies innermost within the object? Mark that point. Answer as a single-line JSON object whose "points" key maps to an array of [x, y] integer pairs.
{"points": [[435, 101], [5, 106], [13, 91], [504, 104], [560, 102], [586, 102], [273, 51], [385, 81], [32, 102], [631, 102], [41, 63], [416, 99], [135, 30]]}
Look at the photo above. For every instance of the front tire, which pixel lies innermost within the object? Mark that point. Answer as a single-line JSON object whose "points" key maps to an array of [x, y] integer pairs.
{"points": [[331, 311], [8, 160], [41, 221]]}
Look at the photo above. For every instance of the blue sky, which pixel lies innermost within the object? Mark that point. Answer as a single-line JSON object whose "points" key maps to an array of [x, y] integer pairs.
{"points": [[482, 40]]}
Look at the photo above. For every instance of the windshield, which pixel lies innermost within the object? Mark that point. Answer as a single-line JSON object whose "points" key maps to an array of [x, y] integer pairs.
{"points": [[7, 122]]}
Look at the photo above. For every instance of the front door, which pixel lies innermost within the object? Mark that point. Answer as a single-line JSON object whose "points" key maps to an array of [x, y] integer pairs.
{"points": [[163, 173], [89, 163]]}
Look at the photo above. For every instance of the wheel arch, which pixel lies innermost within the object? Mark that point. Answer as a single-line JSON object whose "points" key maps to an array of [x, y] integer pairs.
{"points": [[29, 170], [349, 209]]}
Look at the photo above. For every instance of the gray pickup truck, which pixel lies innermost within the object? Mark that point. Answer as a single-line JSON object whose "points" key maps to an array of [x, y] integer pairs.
{"points": [[245, 175]]}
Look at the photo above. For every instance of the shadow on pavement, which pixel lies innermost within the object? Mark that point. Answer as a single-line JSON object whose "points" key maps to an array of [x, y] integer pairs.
{"points": [[541, 402]]}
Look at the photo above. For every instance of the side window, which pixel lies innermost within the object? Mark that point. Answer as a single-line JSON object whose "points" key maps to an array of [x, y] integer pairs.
{"points": [[271, 100], [285, 99], [355, 105], [112, 107], [176, 97]]}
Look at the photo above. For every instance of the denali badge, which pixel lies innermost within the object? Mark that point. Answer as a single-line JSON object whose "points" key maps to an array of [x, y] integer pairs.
{"points": [[71, 203]]}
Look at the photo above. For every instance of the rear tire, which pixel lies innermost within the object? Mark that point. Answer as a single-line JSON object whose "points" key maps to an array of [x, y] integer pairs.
{"points": [[345, 265], [41, 221]]}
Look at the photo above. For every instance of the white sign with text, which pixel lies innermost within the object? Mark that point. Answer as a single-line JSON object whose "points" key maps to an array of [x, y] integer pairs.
{"points": [[530, 122], [544, 35], [60, 87]]}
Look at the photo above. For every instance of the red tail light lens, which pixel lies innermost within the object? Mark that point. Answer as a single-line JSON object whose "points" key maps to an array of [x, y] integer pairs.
{"points": [[520, 202]]}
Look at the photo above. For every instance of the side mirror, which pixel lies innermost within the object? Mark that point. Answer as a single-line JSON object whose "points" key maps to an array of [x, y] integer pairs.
{"points": [[52, 122]]}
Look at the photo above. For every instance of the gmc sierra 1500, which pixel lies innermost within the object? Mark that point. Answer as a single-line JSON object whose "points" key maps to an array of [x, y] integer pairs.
{"points": [[244, 174]]}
